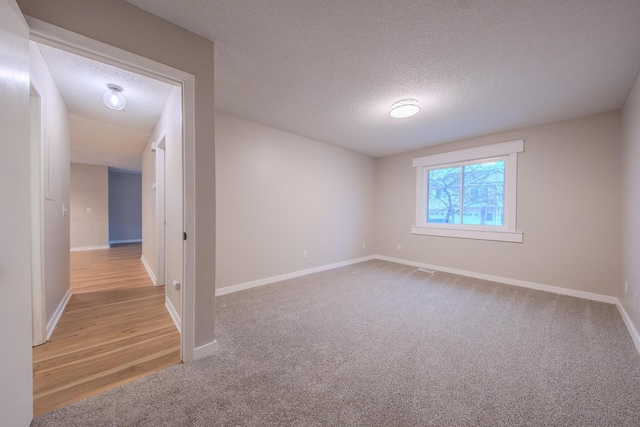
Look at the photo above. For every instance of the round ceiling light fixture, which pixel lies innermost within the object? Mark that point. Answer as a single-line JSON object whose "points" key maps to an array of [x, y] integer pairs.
{"points": [[404, 108], [113, 98]]}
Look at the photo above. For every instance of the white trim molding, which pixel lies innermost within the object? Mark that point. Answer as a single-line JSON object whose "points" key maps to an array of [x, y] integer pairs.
{"points": [[500, 236], [173, 313], [60, 38], [149, 270], [53, 322], [482, 152], [629, 324], [261, 282], [504, 280], [205, 350], [89, 248], [119, 242]]}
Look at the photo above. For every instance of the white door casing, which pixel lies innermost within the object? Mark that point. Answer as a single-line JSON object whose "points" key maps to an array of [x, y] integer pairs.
{"points": [[159, 148], [37, 223]]}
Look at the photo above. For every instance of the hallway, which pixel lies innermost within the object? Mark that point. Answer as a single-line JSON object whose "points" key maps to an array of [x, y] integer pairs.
{"points": [[114, 329]]}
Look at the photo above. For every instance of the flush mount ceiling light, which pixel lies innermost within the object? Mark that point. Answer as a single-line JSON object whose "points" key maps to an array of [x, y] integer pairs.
{"points": [[113, 98], [404, 108]]}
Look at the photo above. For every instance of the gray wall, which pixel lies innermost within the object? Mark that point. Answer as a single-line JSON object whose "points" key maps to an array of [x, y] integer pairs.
{"points": [[630, 158], [125, 206], [567, 207], [280, 194]]}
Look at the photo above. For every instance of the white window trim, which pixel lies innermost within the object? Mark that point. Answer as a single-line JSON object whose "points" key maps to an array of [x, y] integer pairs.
{"points": [[506, 233]]}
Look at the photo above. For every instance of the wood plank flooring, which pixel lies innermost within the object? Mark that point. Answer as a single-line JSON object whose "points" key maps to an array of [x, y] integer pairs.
{"points": [[114, 329]]}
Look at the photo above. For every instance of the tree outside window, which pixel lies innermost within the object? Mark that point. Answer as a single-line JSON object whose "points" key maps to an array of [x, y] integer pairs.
{"points": [[481, 200]]}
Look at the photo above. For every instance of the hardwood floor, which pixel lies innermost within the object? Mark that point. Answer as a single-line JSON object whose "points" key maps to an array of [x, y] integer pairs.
{"points": [[114, 329]]}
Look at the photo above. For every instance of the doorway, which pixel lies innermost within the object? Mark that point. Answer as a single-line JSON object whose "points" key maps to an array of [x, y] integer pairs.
{"points": [[60, 38], [175, 210]]}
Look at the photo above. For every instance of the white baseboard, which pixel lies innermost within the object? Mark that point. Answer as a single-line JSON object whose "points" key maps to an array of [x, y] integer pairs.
{"points": [[205, 350], [173, 313], [505, 280], [627, 321], [208, 349], [149, 271], [117, 242], [53, 322], [280, 278], [89, 248]]}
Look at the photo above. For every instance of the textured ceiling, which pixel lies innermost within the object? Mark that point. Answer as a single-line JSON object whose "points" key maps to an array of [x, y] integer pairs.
{"points": [[98, 142], [99, 135], [330, 69]]}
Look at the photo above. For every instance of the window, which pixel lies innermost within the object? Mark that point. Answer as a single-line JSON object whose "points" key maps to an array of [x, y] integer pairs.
{"points": [[469, 193], [475, 204]]}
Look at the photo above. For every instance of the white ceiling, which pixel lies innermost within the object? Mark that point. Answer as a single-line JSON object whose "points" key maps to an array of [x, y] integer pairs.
{"points": [[330, 69], [99, 135]]}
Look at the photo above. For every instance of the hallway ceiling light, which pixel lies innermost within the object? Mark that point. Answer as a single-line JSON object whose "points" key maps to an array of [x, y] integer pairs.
{"points": [[404, 108], [113, 98]]}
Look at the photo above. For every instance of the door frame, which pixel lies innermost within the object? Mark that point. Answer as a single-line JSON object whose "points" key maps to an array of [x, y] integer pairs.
{"points": [[161, 248], [38, 296], [51, 35]]}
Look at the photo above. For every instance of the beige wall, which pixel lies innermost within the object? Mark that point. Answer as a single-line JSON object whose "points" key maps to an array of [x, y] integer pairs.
{"points": [[630, 158], [55, 131], [147, 35], [568, 209], [89, 189], [280, 194]]}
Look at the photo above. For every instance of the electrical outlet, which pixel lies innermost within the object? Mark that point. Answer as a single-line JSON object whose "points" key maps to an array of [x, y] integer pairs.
{"points": [[626, 287], [88, 210], [304, 254], [399, 246], [364, 246]]}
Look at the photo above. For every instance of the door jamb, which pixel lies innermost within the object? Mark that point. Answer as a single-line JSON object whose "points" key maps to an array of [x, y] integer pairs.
{"points": [[38, 306], [159, 149]]}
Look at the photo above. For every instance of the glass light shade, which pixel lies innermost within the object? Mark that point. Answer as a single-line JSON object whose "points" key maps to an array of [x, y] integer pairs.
{"points": [[404, 108], [114, 99]]}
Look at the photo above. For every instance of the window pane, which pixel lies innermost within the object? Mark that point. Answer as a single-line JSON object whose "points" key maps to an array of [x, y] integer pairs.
{"points": [[443, 203], [483, 196]]}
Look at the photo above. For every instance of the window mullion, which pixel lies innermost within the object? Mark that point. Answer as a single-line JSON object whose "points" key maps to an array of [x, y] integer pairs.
{"points": [[461, 193], [425, 211]]}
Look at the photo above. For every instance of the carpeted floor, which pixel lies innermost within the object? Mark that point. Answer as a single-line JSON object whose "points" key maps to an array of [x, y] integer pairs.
{"points": [[381, 344]]}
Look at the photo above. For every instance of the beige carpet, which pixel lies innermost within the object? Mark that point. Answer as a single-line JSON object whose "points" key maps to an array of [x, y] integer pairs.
{"points": [[381, 344]]}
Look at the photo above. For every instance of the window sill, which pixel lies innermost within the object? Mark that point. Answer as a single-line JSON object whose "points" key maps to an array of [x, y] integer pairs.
{"points": [[500, 236]]}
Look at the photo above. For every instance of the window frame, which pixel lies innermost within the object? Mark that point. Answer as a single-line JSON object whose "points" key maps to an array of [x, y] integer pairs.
{"points": [[507, 151]]}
